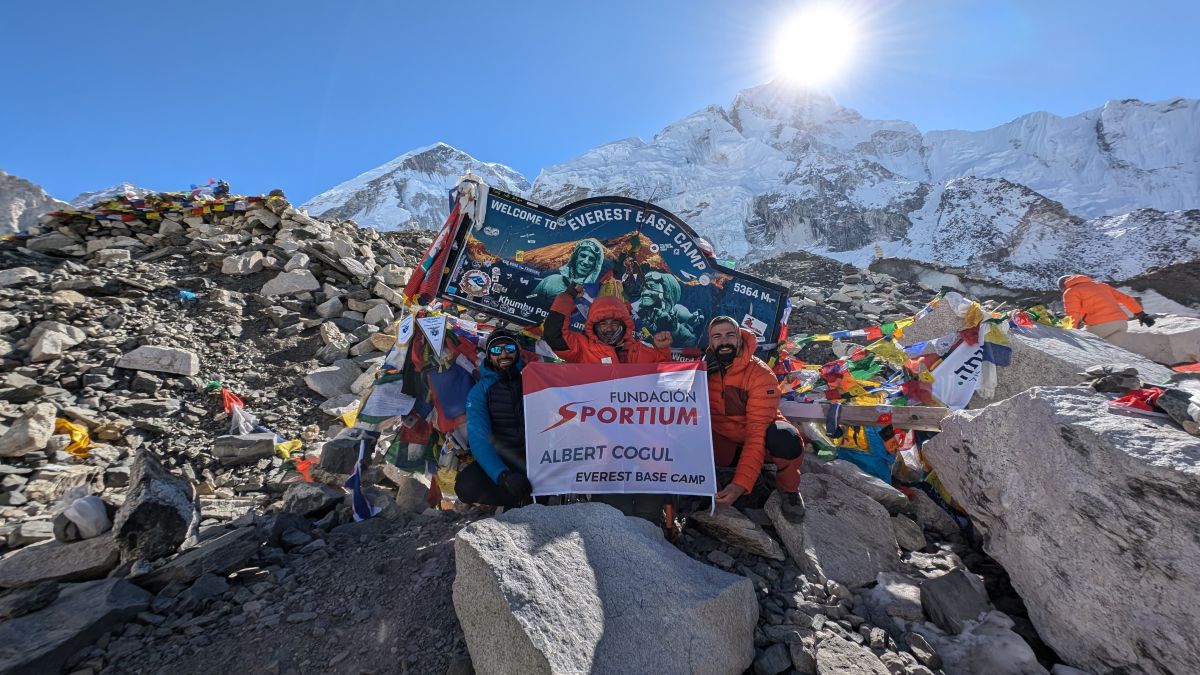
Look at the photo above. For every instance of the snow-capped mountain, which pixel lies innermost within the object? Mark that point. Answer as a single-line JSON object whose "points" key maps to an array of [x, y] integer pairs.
{"points": [[86, 199], [784, 169], [22, 203], [410, 192]]}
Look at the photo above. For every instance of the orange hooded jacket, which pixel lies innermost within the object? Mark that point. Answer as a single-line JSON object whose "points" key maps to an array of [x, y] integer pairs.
{"points": [[585, 347], [1090, 302], [743, 399]]}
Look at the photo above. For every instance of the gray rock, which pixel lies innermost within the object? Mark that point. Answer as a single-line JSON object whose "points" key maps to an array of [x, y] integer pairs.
{"points": [[953, 599], [933, 517], [311, 500], [220, 555], [394, 275], [159, 512], [908, 534], [56, 561], [333, 380], [28, 600], [381, 314], [731, 526], [298, 261], [50, 345], [8, 322], [331, 308], [31, 432], [773, 661], [290, 283], [232, 450], [836, 656], [599, 603], [246, 263], [42, 642], [924, 652], [30, 532], [161, 360], [52, 242], [1119, 494], [340, 405], [892, 499], [17, 276], [844, 535]]}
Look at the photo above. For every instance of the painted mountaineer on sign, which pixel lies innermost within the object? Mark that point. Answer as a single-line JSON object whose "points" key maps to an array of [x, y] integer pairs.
{"points": [[583, 268], [516, 257]]}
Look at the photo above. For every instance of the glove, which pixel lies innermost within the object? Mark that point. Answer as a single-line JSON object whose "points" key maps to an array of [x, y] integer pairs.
{"points": [[1145, 319], [517, 485], [574, 290]]}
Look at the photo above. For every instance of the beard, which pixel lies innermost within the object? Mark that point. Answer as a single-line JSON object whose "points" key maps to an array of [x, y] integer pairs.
{"points": [[725, 353]]}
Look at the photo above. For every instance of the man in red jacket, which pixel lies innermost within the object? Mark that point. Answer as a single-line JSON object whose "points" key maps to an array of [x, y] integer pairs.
{"points": [[608, 336], [748, 429]]}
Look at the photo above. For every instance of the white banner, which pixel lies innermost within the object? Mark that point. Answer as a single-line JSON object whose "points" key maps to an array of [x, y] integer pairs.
{"points": [[956, 378], [615, 428]]}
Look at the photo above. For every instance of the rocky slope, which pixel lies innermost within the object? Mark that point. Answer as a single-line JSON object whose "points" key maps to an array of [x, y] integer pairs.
{"points": [[22, 203], [409, 192]]}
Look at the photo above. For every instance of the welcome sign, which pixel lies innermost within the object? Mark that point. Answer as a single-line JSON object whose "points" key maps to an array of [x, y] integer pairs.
{"points": [[513, 264], [605, 429]]}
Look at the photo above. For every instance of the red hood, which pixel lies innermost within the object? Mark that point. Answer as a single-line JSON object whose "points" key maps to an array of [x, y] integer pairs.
{"points": [[610, 307], [1077, 280]]}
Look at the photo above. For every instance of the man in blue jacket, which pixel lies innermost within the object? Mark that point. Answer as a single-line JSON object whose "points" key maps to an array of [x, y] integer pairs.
{"points": [[496, 429]]}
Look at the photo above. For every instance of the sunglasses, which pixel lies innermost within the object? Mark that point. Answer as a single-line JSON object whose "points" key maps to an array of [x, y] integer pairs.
{"points": [[506, 348]]}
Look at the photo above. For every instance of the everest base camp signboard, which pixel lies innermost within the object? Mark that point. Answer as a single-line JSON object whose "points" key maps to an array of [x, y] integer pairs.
{"points": [[611, 429], [514, 262]]}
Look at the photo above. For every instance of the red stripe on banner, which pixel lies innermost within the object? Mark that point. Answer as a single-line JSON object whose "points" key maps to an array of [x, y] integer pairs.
{"points": [[538, 376]]}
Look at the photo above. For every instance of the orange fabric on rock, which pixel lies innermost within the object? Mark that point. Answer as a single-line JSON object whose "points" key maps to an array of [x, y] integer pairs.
{"points": [[1090, 302], [585, 347], [743, 400]]}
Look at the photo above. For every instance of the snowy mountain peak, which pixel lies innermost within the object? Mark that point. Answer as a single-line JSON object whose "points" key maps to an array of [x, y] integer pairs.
{"points": [[86, 199], [22, 203], [409, 192]]}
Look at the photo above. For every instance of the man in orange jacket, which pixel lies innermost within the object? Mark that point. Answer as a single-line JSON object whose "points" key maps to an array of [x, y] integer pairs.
{"points": [[608, 336], [748, 429], [1099, 308]]}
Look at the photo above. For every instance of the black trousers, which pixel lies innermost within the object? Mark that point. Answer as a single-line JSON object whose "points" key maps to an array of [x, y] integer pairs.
{"points": [[473, 486]]}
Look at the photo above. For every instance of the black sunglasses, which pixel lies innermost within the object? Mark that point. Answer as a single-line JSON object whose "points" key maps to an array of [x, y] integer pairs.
{"points": [[506, 348]]}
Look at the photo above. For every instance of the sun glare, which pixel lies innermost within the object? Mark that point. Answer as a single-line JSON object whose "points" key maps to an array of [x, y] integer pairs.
{"points": [[816, 46]]}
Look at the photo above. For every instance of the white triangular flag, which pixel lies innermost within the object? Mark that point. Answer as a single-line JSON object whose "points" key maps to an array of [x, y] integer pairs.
{"points": [[434, 328], [405, 332]]}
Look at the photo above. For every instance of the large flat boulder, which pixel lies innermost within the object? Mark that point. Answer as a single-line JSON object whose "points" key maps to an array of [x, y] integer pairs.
{"points": [[1093, 515], [583, 588], [55, 561], [42, 642], [1171, 340], [30, 433], [158, 359], [731, 526], [1042, 356], [844, 534]]}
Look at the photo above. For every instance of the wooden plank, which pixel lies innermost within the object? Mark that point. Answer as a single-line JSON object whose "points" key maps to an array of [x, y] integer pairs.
{"points": [[903, 417]]}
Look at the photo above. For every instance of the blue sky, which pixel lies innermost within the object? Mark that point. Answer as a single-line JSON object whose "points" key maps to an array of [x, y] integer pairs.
{"points": [[303, 94]]}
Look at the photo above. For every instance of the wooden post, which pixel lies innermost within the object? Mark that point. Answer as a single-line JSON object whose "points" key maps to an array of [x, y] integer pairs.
{"points": [[919, 418]]}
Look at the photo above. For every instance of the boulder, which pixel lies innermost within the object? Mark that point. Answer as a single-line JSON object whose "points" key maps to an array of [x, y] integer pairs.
{"points": [[42, 642], [16, 276], [246, 263], [836, 656], [31, 432], [158, 359], [731, 526], [232, 450], [291, 283], [334, 380], [583, 588], [953, 599], [908, 534], [331, 308], [892, 499], [159, 512], [311, 500], [221, 555], [844, 534], [380, 314], [57, 561], [1092, 515], [50, 345], [1041, 355], [1171, 340]]}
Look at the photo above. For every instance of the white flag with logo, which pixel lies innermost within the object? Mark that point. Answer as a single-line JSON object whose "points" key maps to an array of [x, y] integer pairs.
{"points": [[615, 428], [957, 377]]}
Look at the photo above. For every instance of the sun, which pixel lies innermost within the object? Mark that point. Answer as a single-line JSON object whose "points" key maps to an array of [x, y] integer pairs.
{"points": [[816, 45]]}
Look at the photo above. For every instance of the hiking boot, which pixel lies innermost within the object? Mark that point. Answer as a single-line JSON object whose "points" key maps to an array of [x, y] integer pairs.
{"points": [[792, 506]]}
